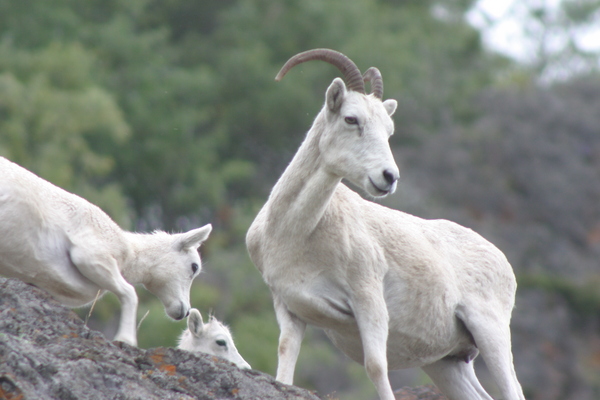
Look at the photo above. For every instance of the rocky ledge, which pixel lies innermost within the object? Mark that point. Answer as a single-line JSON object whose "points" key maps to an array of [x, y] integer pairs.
{"points": [[47, 352]]}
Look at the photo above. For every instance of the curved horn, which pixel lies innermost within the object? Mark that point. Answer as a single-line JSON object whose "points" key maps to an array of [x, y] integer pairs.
{"points": [[373, 76], [352, 75]]}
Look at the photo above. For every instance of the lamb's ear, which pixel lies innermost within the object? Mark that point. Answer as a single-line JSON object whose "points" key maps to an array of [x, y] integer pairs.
{"points": [[194, 322], [390, 106], [336, 92], [193, 238]]}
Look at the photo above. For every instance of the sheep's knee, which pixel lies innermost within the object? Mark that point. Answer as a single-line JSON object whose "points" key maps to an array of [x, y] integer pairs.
{"points": [[284, 347], [376, 370], [378, 374]]}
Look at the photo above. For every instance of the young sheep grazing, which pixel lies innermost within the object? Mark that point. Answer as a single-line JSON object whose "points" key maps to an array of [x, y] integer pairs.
{"points": [[211, 338], [390, 290], [72, 249]]}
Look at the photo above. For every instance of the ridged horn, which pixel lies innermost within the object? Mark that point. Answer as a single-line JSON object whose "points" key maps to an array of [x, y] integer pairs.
{"points": [[352, 75], [373, 76]]}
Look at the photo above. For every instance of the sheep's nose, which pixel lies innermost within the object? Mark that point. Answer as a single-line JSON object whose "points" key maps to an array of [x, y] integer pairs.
{"points": [[182, 313], [390, 176]]}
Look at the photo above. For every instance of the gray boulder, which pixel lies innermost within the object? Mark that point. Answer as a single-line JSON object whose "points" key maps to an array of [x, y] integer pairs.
{"points": [[46, 352]]}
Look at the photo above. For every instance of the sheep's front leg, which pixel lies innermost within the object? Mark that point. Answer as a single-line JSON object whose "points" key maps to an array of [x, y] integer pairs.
{"points": [[372, 318], [103, 270], [290, 339]]}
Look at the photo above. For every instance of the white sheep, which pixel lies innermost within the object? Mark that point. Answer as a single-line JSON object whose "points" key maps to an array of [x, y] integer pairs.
{"points": [[211, 338], [72, 249], [390, 290]]}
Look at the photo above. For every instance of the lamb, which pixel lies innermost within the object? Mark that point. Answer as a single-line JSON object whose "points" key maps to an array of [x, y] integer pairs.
{"points": [[211, 338], [60, 242], [391, 290]]}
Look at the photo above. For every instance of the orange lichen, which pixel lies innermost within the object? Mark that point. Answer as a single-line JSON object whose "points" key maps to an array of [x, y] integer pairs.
{"points": [[170, 369], [157, 358]]}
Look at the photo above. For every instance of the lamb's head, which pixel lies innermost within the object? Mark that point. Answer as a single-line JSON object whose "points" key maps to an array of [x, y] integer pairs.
{"points": [[176, 262], [354, 142], [211, 338]]}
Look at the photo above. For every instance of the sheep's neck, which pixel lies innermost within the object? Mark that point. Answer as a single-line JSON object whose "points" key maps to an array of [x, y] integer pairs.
{"points": [[135, 268], [303, 193]]}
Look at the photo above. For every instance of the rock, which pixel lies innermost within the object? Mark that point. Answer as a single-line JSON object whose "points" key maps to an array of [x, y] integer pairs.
{"points": [[46, 352], [425, 392]]}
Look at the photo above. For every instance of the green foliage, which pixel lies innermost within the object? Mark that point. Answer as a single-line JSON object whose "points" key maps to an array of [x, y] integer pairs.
{"points": [[194, 85], [56, 121], [583, 298], [432, 63]]}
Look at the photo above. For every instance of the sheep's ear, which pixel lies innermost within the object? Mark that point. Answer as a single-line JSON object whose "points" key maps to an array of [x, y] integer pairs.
{"points": [[193, 238], [194, 322], [336, 92], [390, 106]]}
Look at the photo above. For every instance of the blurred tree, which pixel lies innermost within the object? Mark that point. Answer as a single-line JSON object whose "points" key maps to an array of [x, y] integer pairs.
{"points": [[171, 167], [58, 123], [431, 60], [195, 83]]}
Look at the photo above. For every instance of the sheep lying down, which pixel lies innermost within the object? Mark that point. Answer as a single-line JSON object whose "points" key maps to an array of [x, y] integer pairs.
{"points": [[69, 247], [212, 337]]}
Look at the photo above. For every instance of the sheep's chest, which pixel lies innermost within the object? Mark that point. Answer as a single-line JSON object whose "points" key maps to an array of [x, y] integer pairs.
{"points": [[313, 274], [311, 290], [319, 302]]}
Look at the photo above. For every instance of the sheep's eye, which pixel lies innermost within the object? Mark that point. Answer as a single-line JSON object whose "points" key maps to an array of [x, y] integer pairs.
{"points": [[194, 268], [221, 343], [351, 120]]}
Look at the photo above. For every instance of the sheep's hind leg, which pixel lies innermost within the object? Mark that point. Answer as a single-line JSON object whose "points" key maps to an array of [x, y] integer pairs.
{"points": [[103, 271], [491, 333], [456, 379]]}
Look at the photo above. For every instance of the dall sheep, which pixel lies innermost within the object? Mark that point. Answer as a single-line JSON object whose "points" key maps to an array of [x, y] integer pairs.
{"points": [[212, 338], [391, 290], [62, 243]]}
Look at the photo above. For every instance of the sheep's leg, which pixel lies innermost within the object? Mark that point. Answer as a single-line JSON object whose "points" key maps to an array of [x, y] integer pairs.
{"points": [[104, 272], [491, 333], [371, 315], [290, 339], [456, 379], [475, 382]]}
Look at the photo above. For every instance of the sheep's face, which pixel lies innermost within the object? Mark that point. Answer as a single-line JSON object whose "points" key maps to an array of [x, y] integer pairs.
{"points": [[176, 266], [212, 338], [355, 144]]}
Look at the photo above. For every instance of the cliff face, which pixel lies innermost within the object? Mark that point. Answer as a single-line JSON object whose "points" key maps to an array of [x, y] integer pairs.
{"points": [[46, 352]]}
